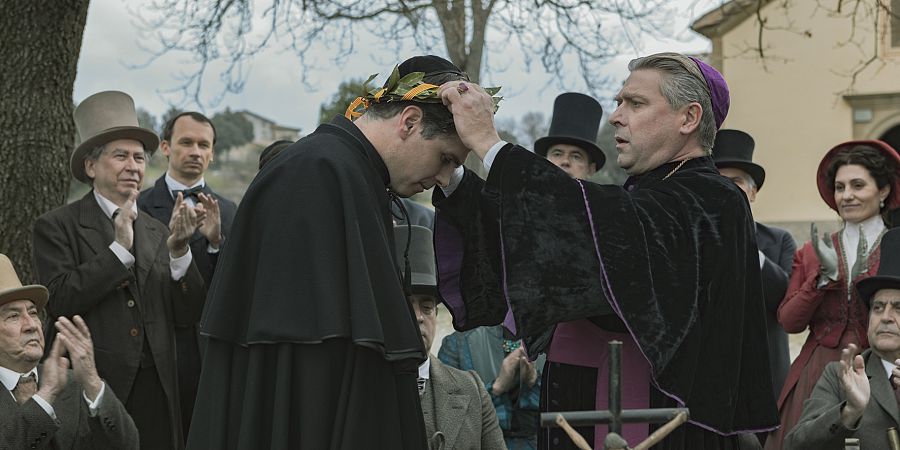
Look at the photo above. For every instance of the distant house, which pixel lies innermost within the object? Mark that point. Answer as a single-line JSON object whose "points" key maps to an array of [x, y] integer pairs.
{"points": [[801, 102], [265, 131]]}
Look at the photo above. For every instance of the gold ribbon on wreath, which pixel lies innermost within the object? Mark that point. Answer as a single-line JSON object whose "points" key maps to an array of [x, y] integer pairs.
{"points": [[408, 88]]}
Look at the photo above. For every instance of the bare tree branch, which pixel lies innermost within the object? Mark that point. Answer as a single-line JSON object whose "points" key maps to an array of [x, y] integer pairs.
{"points": [[227, 34]]}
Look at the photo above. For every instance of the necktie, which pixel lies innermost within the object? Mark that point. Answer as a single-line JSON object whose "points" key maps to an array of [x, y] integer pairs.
{"points": [[188, 193], [25, 389], [421, 382]]}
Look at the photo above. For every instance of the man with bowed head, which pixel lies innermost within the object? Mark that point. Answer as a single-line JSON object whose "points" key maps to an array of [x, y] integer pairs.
{"points": [[323, 315]]}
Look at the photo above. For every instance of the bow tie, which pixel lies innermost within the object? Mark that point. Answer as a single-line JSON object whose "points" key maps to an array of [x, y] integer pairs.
{"points": [[188, 193]]}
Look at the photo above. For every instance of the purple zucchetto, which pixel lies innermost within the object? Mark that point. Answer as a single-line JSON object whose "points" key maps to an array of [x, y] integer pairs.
{"points": [[718, 90]]}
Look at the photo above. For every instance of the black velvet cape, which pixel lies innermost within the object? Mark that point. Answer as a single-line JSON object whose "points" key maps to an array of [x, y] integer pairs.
{"points": [[674, 259], [310, 341]]}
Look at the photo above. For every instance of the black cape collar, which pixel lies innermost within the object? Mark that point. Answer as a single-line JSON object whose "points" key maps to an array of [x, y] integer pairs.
{"points": [[656, 175], [342, 126]]}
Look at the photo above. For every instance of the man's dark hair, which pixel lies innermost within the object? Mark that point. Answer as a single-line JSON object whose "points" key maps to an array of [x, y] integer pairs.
{"points": [[881, 168], [436, 118], [272, 151], [170, 125]]}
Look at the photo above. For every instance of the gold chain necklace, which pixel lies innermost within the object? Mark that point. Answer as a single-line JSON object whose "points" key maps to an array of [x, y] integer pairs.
{"points": [[676, 168]]}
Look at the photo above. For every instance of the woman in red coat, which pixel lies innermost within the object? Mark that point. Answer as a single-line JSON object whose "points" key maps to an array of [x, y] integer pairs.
{"points": [[860, 181]]}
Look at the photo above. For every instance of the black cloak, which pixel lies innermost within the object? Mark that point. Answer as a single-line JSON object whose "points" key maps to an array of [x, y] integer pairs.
{"points": [[311, 343], [674, 259]]}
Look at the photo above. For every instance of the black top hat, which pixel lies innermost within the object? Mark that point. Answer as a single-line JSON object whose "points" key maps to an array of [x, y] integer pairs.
{"points": [[421, 257], [734, 148], [576, 121], [888, 276]]}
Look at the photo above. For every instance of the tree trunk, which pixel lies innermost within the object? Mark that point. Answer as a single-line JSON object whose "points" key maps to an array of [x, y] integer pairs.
{"points": [[41, 44]]}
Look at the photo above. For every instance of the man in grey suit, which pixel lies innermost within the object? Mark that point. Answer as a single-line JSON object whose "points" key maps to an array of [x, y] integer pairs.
{"points": [[49, 406], [130, 278], [733, 155], [858, 396], [459, 414]]}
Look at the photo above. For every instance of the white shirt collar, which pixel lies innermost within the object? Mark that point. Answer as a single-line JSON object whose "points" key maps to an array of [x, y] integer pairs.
{"points": [[175, 185], [10, 378], [888, 366], [425, 369], [871, 228], [108, 206]]}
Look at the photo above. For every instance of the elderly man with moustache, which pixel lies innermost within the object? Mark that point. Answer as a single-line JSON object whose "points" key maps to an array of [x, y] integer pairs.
{"points": [[50, 406]]}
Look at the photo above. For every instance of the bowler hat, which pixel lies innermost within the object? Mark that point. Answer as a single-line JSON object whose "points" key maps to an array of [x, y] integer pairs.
{"points": [[420, 256], [11, 288], [734, 148], [888, 276], [105, 117], [827, 192], [576, 121]]}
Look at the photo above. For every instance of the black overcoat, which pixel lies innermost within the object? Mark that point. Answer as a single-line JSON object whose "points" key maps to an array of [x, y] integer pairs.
{"points": [[311, 341]]}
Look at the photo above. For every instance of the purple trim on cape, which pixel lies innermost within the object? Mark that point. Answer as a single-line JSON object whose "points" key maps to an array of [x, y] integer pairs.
{"points": [[718, 91], [448, 249], [615, 305], [509, 322]]}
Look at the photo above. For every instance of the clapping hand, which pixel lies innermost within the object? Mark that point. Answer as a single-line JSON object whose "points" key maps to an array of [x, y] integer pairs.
{"points": [[855, 384], [181, 227], [123, 221], [862, 257], [828, 259], [53, 373], [211, 220], [77, 339]]}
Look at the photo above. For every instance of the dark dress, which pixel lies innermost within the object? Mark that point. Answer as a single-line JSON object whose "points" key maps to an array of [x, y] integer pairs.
{"points": [[311, 342], [671, 260]]}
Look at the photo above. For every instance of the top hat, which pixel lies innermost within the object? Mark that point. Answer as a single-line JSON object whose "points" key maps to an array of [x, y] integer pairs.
{"points": [[11, 288], [734, 148], [105, 117], [827, 192], [888, 276], [576, 121], [421, 257]]}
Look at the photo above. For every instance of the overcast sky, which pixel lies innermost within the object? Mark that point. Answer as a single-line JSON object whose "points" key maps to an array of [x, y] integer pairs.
{"points": [[273, 88]]}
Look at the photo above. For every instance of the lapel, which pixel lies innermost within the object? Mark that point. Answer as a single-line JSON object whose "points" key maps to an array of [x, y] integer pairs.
{"points": [[160, 202], [763, 241], [97, 229], [880, 388], [147, 237], [450, 400], [7, 401]]}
